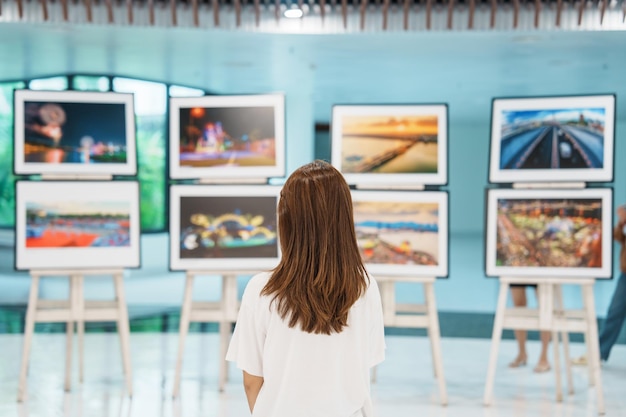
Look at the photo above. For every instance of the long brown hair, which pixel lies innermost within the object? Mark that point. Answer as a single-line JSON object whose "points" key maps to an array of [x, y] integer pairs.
{"points": [[321, 274]]}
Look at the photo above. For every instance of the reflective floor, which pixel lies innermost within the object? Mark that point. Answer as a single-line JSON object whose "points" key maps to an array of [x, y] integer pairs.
{"points": [[405, 385]]}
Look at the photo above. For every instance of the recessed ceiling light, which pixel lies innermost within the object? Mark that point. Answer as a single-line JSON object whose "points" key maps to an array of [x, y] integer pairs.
{"points": [[294, 13]]}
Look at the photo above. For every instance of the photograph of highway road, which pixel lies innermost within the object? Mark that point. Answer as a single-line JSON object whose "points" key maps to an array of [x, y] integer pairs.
{"points": [[552, 138], [389, 144], [549, 232], [398, 233]]}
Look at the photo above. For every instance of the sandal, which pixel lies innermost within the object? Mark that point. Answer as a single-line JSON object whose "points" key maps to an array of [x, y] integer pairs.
{"points": [[542, 368], [518, 362]]}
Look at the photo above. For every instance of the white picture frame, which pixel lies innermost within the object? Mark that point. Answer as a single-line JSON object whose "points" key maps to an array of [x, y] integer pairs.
{"points": [[69, 225], [564, 221], [391, 224], [208, 244], [552, 139], [74, 133], [421, 155], [266, 110]]}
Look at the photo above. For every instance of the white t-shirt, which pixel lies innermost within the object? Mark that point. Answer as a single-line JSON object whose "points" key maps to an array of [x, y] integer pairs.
{"points": [[307, 374]]}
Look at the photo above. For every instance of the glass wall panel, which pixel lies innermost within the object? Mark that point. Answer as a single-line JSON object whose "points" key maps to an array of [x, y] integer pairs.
{"points": [[7, 190], [150, 113]]}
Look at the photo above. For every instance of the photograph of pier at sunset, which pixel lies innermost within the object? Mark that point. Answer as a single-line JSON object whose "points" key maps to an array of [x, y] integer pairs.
{"points": [[389, 144]]}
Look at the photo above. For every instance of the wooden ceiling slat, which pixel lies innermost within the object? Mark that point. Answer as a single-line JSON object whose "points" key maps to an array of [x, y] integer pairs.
{"points": [[470, 18]]}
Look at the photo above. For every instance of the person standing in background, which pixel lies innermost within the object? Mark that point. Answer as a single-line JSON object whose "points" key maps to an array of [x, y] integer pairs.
{"points": [[309, 331], [617, 309]]}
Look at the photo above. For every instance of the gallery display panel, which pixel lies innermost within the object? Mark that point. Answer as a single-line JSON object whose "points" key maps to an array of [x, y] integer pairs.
{"points": [[227, 137], [77, 225], [223, 227], [380, 145], [74, 133], [549, 233], [552, 139], [402, 233]]}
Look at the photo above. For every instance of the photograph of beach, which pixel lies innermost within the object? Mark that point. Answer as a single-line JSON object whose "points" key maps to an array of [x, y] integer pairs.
{"points": [[398, 233], [71, 224], [228, 227], [227, 136], [549, 232], [389, 144]]}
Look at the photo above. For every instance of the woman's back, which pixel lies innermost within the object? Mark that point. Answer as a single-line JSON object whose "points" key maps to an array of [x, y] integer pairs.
{"points": [[308, 374]]}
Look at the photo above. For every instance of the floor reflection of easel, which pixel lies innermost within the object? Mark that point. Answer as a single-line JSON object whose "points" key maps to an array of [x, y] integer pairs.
{"points": [[75, 310], [223, 312], [415, 316], [550, 316]]}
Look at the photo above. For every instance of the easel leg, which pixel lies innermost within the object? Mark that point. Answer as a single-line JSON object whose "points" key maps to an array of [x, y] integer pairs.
{"points": [[435, 338], [594, 353], [560, 309], [557, 366], [69, 326], [495, 342], [229, 310], [123, 328], [184, 329], [29, 329], [80, 325]]}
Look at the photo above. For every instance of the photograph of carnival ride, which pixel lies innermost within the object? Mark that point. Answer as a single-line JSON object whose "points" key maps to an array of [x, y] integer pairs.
{"points": [[77, 224], [552, 139], [66, 224], [229, 136], [395, 234], [390, 143], [74, 132], [551, 233], [228, 227]]}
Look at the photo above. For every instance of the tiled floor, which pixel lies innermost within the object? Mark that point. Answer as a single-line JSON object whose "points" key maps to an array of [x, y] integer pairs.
{"points": [[405, 384]]}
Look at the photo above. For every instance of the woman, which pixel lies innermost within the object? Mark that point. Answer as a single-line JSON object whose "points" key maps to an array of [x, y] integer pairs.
{"points": [[309, 332]]}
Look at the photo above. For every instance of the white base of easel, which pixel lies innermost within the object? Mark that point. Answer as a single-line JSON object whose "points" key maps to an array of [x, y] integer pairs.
{"points": [[223, 312], [77, 311], [550, 316], [421, 316]]}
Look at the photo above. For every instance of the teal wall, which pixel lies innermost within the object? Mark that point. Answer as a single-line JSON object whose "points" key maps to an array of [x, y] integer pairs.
{"points": [[464, 70]]}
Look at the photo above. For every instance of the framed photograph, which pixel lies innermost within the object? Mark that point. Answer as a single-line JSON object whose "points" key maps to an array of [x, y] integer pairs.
{"points": [[402, 233], [74, 133], [77, 225], [215, 227], [382, 145], [227, 137], [550, 233], [552, 139]]}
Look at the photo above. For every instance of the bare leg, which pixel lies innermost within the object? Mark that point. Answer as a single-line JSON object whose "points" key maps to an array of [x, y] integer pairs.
{"points": [[519, 300], [543, 365]]}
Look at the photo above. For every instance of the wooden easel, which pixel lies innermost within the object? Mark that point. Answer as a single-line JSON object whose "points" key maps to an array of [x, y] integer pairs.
{"points": [[421, 316], [550, 316], [223, 312], [77, 311]]}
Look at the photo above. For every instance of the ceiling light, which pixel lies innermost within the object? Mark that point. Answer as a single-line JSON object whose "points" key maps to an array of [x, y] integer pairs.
{"points": [[294, 13]]}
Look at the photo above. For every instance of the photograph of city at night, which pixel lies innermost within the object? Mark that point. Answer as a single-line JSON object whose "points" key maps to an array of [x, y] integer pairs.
{"points": [[227, 136], [74, 133]]}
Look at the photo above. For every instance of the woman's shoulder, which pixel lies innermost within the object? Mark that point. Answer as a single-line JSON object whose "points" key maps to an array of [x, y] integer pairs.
{"points": [[256, 285]]}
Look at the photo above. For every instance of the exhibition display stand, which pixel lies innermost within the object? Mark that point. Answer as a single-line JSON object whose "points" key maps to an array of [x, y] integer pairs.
{"points": [[416, 316], [75, 311], [223, 312], [550, 316]]}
